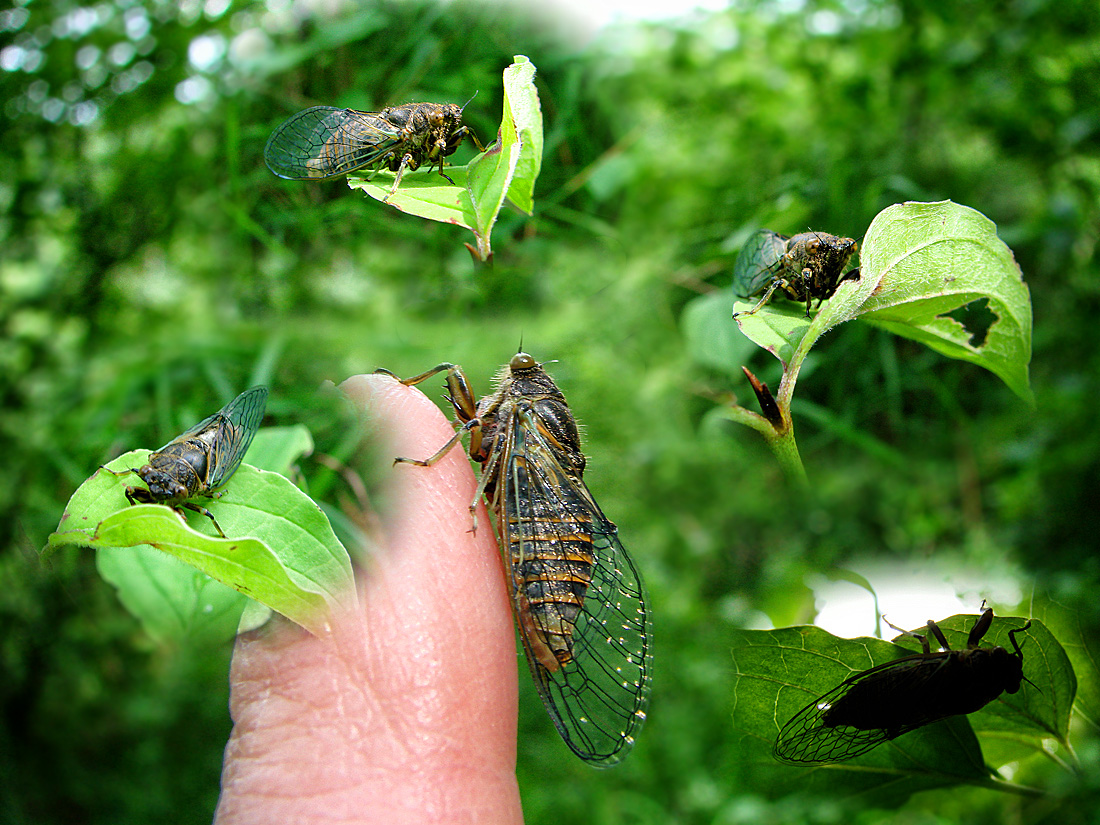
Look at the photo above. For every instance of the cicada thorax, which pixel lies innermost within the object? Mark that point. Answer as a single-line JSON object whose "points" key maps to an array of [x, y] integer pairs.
{"points": [[429, 130]]}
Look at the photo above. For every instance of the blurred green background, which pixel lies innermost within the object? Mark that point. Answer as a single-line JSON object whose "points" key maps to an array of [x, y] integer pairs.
{"points": [[151, 267]]}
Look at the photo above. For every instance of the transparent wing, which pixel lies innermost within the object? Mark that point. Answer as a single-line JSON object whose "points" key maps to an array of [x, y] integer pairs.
{"points": [[866, 710], [324, 141], [757, 262], [229, 433], [573, 563]]}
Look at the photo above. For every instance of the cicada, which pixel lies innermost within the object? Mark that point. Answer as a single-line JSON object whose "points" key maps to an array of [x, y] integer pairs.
{"points": [[896, 697], [810, 265], [578, 600], [324, 141], [202, 460]]}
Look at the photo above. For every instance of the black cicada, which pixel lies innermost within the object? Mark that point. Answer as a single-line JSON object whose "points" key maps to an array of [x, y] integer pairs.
{"points": [[324, 141], [808, 266], [578, 600], [202, 460], [896, 697]]}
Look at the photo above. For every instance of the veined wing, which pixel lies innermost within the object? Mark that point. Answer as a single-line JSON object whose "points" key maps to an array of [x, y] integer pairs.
{"points": [[230, 432], [579, 602], [324, 141], [864, 711], [757, 262]]}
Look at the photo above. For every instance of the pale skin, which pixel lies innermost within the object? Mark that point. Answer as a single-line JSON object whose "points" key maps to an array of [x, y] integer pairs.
{"points": [[406, 712]]}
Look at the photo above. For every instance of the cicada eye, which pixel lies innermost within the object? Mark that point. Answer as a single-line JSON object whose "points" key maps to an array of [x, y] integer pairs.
{"points": [[522, 361]]}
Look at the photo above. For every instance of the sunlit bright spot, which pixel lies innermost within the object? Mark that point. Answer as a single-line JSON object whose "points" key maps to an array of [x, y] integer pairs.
{"points": [[11, 58], [137, 23], [250, 44], [206, 52], [53, 109], [12, 20], [193, 90], [213, 9], [87, 56], [121, 53]]}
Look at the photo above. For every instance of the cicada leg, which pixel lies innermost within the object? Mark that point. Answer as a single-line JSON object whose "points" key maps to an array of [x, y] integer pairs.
{"points": [[196, 508], [406, 163], [920, 637], [458, 393], [772, 287], [466, 131]]}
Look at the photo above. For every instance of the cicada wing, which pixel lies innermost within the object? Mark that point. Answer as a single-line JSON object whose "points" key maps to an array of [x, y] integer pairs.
{"points": [[807, 740], [865, 710], [238, 422], [757, 262], [597, 690], [325, 141]]}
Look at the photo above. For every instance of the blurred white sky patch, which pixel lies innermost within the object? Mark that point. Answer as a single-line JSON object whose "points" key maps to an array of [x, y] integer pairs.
{"points": [[580, 21], [600, 13], [908, 595]]}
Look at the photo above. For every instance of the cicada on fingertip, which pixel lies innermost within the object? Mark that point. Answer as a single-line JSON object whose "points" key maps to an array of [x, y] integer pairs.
{"points": [[579, 603], [896, 697], [201, 461]]}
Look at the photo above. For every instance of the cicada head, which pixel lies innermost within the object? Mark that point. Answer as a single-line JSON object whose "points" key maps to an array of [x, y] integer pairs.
{"points": [[162, 486]]}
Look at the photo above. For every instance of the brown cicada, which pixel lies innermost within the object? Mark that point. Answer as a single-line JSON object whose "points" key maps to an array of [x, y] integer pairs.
{"points": [[202, 460], [324, 141], [577, 597], [896, 697], [808, 266]]}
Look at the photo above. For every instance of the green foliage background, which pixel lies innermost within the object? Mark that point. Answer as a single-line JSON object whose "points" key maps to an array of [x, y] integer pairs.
{"points": [[151, 267]]}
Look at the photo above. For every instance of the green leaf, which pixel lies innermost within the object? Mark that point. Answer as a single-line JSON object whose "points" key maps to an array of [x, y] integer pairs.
{"points": [[177, 602], [777, 329], [426, 194], [710, 338], [919, 262], [490, 174], [507, 169], [289, 561], [174, 601], [778, 672], [1081, 647], [929, 259], [522, 108], [278, 448]]}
